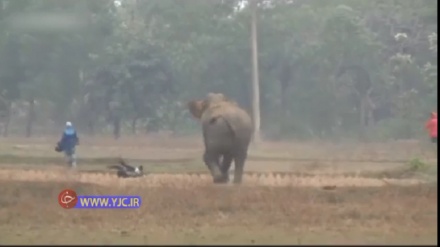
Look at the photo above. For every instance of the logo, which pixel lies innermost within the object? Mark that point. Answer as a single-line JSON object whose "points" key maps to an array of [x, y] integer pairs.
{"points": [[67, 199]]}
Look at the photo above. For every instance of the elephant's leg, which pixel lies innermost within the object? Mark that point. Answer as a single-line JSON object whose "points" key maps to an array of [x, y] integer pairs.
{"points": [[211, 160], [226, 164], [239, 161]]}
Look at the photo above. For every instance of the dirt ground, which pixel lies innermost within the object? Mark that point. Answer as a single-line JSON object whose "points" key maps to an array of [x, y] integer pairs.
{"points": [[222, 215], [400, 208]]}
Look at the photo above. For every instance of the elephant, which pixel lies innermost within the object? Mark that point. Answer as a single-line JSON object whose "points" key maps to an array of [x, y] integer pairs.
{"points": [[227, 132]]}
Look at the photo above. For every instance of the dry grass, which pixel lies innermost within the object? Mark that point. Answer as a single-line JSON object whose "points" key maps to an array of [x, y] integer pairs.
{"points": [[206, 214], [162, 147], [218, 214], [163, 153], [201, 180]]}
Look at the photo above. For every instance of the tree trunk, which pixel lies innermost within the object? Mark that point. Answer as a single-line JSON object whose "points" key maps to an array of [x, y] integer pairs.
{"points": [[255, 79], [363, 118], [134, 126], [370, 108], [283, 117], [31, 117], [116, 128], [7, 120], [91, 127]]}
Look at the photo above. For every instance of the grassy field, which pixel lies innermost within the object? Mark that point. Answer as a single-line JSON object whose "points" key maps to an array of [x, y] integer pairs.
{"points": [[178, 210]]}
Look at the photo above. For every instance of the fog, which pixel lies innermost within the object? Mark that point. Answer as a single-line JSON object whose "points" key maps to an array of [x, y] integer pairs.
{"points": [[327, 69]]}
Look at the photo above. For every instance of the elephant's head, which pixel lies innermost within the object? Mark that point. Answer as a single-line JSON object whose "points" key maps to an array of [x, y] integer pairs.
{"points": [[197, 107]]}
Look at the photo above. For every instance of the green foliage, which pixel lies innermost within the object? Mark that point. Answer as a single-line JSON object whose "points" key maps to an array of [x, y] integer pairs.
{"points": [[416, 165], [137, 64]]}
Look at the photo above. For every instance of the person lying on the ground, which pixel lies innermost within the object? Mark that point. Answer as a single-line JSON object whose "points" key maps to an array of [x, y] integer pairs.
{"points": [[127, 171]]}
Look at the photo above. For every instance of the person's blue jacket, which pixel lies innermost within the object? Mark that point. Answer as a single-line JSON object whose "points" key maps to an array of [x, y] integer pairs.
{"points": [[69, 139]]}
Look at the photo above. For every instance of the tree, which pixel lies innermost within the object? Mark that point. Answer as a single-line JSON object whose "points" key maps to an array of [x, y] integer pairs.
{"points": [[318, 69]]}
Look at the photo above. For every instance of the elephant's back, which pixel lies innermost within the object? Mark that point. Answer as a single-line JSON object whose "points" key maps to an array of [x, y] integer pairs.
{"points": [[230, 121], [218, 135], [240, 120]]}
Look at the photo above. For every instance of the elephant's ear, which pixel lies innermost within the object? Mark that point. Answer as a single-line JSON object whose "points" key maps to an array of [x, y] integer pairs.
{"points": [[196, 107]]}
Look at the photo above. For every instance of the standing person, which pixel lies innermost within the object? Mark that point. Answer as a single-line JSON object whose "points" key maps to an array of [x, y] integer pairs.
{"points": [[431, 126], [68, 142]]}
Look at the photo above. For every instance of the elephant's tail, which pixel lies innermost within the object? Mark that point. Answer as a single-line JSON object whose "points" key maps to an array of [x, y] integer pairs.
{"points": [[228, 124]]}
